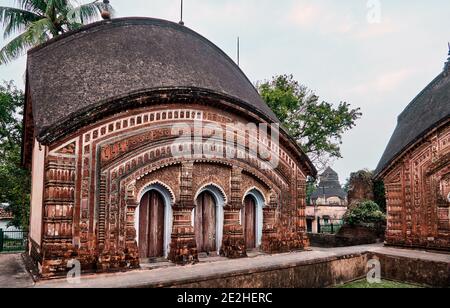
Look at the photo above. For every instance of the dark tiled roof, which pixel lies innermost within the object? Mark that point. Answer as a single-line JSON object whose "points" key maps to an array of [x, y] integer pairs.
{"points": [[110, 60], [429, 109], [329, 186]]}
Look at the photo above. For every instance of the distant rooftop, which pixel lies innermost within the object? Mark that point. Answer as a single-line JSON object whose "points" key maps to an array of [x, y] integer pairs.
{"points": [[329, 186], [5, 214]]}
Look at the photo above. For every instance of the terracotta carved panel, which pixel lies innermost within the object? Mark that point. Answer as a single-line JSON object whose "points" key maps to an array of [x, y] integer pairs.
{"points": [[417, 194]]}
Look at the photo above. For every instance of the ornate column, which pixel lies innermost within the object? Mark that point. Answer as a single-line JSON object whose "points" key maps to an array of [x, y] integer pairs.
{"points": [[183, 248], [131, 247], [269, 235], [301, 211], [59, 201], [233, 243]]}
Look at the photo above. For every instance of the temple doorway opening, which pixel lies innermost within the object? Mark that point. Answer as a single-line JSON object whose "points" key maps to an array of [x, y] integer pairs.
{"points": [[249, 222], [205, 223], [151, 226]]}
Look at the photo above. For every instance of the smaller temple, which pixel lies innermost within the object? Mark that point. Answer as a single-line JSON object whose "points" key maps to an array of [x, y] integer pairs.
{"points": [[328, 204]]}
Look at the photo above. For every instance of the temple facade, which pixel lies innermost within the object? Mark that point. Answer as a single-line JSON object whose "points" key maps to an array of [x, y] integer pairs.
{"points": [[147, 142], [328, 204], [416, 170]]}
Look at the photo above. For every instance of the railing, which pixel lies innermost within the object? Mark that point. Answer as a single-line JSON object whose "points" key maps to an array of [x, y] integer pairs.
{"points": [[332, 227], [13, 241]]}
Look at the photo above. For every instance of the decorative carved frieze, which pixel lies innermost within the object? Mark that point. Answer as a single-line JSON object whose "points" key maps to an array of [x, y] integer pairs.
{"points": [[114, 160], [417, 215]]}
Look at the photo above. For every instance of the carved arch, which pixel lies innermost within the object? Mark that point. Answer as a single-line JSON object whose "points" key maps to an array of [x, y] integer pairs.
{"points": [[212, 184], [138, 193], [256, 189]]}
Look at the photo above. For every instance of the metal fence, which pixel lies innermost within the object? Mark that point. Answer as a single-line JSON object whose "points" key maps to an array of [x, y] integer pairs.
{"points": [[330, 227], [13, 241]]}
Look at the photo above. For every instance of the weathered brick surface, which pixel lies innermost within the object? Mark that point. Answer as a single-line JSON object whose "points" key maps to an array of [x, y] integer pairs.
{"points": [[418, 191], [95, 178]]}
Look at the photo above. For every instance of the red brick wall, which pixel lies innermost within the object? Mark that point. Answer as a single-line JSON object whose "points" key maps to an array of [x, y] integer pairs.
{"points": [[417, 186], [100, 170]]}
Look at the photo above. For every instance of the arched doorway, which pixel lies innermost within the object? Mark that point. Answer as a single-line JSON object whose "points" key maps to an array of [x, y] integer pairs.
{"points": [[205, 223], [151, 225], [249, 222], [252, 217], [153, 221], [208, 218]]}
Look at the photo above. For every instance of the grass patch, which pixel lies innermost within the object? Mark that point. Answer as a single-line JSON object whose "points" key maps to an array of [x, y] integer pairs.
{"points": [[385, 284]]}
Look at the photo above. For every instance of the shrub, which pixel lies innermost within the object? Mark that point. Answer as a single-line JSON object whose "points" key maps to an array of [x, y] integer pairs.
{"points": [[367, 212]]}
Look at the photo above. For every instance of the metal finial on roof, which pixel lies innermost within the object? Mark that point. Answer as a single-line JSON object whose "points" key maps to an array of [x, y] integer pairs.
{"points": [[447, 64], [106, 14], [181, 19]]}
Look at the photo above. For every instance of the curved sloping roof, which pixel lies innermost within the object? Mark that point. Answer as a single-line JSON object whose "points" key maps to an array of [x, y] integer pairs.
{"points": [[428, 110], [110, 60]]}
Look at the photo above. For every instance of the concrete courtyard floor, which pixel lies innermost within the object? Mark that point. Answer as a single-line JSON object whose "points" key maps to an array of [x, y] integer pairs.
{"points": [[13, 274]]}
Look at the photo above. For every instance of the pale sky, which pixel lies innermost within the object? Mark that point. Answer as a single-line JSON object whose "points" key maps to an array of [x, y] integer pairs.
{"points": [[344, 50]]}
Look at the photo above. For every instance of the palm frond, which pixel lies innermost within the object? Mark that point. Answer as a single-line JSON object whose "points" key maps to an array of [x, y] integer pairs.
{"points": [[37, 33], [35, 6], [16, 20], [90, 12], [87, 13]]}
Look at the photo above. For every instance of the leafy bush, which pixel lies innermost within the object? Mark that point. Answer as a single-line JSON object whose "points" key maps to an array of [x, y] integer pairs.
{"points": [[367, 212]]}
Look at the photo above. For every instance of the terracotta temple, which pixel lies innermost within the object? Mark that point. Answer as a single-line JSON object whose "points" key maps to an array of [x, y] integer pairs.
{"points": [[416, 170], [131, 132]]}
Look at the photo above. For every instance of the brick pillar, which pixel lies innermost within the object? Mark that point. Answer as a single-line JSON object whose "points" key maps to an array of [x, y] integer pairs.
{"points": [[233, 243], [183, 248], [59, 200], [301, 211], [269, 234], [131, 247]]}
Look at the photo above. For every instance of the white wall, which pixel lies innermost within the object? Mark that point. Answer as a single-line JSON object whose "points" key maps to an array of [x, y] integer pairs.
{"points": [[37, 191], [334, 212], [330, 201]]}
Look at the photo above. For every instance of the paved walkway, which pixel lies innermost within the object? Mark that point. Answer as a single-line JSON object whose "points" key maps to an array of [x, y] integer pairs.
{"points": [[13, 273], [199, 272]]}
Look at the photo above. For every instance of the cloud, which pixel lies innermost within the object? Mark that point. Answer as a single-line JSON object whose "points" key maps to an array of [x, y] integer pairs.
{"points": [[385, 82], [329, 18], [323, 18], [306, 14], [369, 31]]}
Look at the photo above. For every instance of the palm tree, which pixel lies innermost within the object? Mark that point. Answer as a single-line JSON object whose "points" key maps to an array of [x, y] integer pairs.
{"points": [[37, 21]]}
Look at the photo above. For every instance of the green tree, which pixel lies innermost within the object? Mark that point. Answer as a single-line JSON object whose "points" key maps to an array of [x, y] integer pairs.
{"points": [[317, 126], [14, 180], [366, 212], [36, 21]]}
